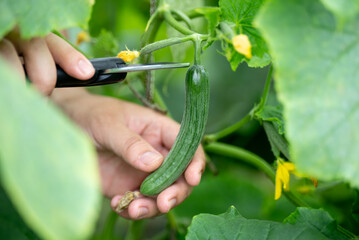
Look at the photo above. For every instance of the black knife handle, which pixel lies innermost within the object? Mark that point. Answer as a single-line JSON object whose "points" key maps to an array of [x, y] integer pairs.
{"points": [[100, 64]]}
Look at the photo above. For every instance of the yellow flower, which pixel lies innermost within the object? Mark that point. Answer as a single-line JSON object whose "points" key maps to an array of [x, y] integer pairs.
{"points": [[282, 177], [242, 45], [82, 37], [128, 56]]}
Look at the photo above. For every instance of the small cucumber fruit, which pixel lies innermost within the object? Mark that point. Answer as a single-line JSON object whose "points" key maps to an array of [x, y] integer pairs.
{"points": [[190, 135]]}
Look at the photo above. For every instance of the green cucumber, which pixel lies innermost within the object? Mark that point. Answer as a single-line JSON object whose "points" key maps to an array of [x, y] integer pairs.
{"points": [[189, 137]]}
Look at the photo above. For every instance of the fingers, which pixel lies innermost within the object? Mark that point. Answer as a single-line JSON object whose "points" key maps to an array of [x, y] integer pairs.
{"points": [[111, 133], [40, 55], [39, 64], [173, 195], [196, 168], [140, 208], [136, 151], [8, 52], [146, 207], [38, 61], [69, 59]]}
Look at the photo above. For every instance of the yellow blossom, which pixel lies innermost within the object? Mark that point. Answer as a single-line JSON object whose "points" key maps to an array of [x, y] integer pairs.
{"points": [[242, 45], [282, 177], [128, 56], [82, 37]]}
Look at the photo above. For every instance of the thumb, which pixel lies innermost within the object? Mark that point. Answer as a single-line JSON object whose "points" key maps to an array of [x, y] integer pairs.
{"points": [[133, 149]]}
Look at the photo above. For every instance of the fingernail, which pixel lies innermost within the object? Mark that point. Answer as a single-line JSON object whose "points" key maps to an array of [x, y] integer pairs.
{"points": [[172, 202], [85, 67], [142, 212], [150, 158]]}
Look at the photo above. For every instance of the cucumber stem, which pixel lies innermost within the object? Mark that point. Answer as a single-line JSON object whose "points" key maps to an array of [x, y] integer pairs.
{"points": [[197, 48], [253, 159], [108, 230], [227, 131], [174, 23], [265, 91], [182, 16], [164, 43]]}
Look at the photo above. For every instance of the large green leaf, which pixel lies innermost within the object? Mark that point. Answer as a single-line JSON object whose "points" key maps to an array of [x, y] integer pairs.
{"points": [[47, 165], [316, 219], [238, 15], [343, 9], [316, 72], [231, 225], [38, 17]]}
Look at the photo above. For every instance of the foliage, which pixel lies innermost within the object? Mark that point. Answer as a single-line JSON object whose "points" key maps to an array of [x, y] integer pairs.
{"points": [[302, 224], [67, 179], [308, 116], [38, 21], [316, 87]]}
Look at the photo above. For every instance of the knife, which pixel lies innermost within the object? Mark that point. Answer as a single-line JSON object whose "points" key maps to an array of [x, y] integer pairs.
{"points": [[110, 70]]}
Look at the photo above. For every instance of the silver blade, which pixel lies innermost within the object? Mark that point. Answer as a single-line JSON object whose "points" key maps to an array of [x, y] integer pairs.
{"points": [[146, 67]]}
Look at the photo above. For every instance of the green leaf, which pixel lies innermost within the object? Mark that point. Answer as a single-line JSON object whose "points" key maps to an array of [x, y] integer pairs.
{"points": [[316, 72], [48, 166], [272, 114], [106, 45], [316, 219], [238, 16], [344, 9], [39, 17], [231, 225], [277, 141]]}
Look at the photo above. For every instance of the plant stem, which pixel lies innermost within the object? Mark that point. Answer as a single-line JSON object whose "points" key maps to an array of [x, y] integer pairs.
{"points": [[143, 100], [211, 166], [109, 226], [227, 131], [197, 50], [175, 24], [253, 159], [182, 16], [240, 153], [164, 43], [150, 33], [346, 232], [135, 230], [266, 90], [171, 220]]}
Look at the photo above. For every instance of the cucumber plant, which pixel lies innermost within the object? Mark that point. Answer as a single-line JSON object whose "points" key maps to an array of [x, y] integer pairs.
{"points": [[311, 47]]}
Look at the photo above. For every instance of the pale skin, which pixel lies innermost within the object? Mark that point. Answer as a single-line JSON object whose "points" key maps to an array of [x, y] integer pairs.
{"points": [[131, 140]]}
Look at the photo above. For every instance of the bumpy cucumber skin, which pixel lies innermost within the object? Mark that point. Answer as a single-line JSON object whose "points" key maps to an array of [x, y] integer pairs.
{"points": [[190, 135]]}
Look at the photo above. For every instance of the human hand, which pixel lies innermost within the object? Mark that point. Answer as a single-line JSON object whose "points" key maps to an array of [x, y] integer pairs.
{"points": [[39, 56], [131, 141]]}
